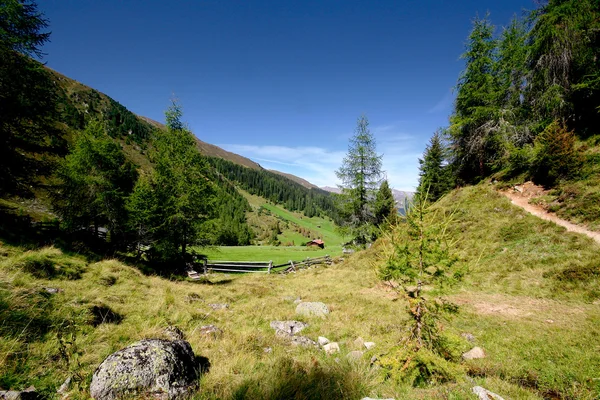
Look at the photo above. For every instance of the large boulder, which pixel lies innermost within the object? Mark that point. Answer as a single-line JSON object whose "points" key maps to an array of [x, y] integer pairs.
{"points": [[312, 309], [158, 368]]}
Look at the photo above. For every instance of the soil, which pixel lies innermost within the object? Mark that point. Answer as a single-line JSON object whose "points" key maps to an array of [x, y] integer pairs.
{"points": [[520, 196]]}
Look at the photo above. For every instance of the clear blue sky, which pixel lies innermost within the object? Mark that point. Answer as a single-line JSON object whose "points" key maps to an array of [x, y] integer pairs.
{"points": [[281, 82]]}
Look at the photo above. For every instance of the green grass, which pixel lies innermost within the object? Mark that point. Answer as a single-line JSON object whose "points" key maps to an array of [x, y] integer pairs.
{"points": [[530, 298], [277, 254]]}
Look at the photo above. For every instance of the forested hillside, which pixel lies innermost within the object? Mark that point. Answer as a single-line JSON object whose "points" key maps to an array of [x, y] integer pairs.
{"points": [[527, 108]]}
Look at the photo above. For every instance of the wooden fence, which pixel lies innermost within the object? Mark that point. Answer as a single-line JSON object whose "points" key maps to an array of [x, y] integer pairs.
{"points": [[255, 266]]}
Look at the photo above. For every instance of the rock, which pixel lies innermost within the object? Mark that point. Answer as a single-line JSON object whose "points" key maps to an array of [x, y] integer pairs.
{"points": [[312, 309], [485, 394], [219, 306], [64, 388], [211, 331], [550, 321], [288, 327], [474, 353], [355, 355], [28, 394], [369, 345], [298, 299], [468, 336], [267, 349], [322, 341], [174, 333], [331, 348], [303, 341], [52, 290], [157, 368], [359, 343]]}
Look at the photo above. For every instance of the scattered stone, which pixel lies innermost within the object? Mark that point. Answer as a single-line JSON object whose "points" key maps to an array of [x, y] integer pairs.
{"points": [[468, 336], [174, 333], [312, 309], [303, 341], [474, 353], [288, 327], [374, 360], [550, 321], [485, 394], [355, 355], [27, 394], [322, 341], [359, 343], [369, 345], [267, 350], [211, 331], [219, 306], [64, 388], [331, 348], [52, 290], [152, 368]]}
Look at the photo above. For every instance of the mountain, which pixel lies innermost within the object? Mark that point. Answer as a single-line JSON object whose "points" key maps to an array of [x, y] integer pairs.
{"points": [[401, 197], [332, 189], [295, 178]]}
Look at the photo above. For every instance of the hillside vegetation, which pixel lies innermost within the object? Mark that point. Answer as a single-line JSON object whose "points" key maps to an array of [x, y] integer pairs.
{"points": [[528, 296]]}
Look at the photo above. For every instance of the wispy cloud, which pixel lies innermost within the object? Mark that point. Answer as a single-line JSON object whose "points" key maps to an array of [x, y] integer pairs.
{"points": [[444, 105], [318, 164]]}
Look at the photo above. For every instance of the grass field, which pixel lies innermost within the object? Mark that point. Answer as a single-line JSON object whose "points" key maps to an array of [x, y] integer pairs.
{"points": [[277, 254], [530, 297]]}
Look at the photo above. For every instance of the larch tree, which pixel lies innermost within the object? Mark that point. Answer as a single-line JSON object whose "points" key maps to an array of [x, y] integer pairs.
{"points": [[360, 175], [385, 205]]}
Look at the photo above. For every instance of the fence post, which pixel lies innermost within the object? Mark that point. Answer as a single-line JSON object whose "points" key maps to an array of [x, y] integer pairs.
{"points": [[204, 262], [270, 265]]}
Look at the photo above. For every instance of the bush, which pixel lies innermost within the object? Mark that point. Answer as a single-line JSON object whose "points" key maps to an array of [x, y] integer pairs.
{"points": [[555, 155]]}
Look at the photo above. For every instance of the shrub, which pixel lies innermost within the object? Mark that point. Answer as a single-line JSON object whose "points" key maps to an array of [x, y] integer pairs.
{"points": [[555, 155]]}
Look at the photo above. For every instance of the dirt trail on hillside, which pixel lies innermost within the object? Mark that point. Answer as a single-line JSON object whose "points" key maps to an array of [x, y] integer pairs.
{"points": [[520, 198]]}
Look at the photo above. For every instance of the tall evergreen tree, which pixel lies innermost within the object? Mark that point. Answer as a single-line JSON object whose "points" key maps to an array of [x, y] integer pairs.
{"points": [[385, 205], [360, 174], [435, 178], [96, 178], [474, 124]]}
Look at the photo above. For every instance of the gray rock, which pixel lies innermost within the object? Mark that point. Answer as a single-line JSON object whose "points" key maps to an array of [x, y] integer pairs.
{"points": [[174, 333], [468, 336], [303, 341], [474, 353], [331, 348], [359, 343], [64, 388], [157, 368], [267, 349], [219, 306], [355, 355], [288, 327], [28, 394], [52, 290], [312, 309], [298, 299], [210, 331], [485, 394], [322, 341], [369, 345]]}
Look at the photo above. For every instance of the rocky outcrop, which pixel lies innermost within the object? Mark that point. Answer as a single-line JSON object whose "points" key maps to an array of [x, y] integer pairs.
{"points": [[312, 309], [288, 327], [28, 394], [158, 368]]}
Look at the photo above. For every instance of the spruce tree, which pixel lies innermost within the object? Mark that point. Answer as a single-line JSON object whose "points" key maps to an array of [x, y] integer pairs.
{"points": [[360, 174], [435, 178], [385, 205]]}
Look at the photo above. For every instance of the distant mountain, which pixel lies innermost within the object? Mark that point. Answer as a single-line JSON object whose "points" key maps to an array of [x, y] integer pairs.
{"points": [[401, 196], [294, 178], [332, 189]]}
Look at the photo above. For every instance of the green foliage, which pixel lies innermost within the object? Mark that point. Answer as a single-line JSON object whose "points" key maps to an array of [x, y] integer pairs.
{"points": [[385, 206], [435, 177], [95, 179], [20, 26], [360, 174], [556, 156]]}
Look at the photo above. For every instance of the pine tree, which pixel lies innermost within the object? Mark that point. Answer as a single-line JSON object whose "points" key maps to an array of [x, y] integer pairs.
{"points": [[360, 174], [385, 205], [435, 178]]}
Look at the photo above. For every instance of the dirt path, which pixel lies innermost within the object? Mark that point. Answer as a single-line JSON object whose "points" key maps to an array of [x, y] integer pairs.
{"points": [[519, 200]]}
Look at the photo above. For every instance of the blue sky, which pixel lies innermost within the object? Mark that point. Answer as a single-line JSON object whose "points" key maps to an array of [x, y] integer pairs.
{"points": [[281, 82]]}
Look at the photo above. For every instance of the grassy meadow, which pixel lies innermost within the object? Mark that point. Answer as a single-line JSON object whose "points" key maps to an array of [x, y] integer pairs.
{"points": [[529, 297]]}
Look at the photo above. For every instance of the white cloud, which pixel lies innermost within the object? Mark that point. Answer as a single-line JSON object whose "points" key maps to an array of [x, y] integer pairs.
{"points": [[318, 165]]}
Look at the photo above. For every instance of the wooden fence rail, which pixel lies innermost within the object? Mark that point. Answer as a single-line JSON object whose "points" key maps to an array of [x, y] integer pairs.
{"points": [[254, 266]]}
